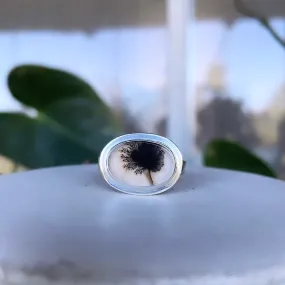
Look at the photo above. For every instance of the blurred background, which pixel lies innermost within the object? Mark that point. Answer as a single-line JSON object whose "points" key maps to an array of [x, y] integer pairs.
{"points": [[234, 65]]}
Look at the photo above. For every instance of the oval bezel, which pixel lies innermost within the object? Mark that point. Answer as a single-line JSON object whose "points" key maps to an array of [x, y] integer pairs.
{"points": [[140, 190]]}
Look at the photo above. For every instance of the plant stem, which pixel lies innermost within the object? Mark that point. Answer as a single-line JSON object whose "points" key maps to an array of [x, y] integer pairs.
{"points": [[241, 8]]}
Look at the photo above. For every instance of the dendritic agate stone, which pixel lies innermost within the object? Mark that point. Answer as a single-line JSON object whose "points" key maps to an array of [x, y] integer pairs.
{"points": [[141, 164]]}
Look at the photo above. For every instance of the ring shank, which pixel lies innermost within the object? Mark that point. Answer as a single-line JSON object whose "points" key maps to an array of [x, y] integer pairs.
{"points": [[183, 166]]}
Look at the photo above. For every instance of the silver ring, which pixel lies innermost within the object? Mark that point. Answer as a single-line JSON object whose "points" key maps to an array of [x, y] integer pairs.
{"points": [[141, 164]]}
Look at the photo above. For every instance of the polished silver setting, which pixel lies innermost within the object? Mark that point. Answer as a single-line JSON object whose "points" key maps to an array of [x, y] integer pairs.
{"points": [[166, 144]]}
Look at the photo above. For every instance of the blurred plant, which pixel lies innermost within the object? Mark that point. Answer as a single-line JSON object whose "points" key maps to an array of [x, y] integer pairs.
{"points": [[224, 117], [242, 8], [245, 10], [230, 155], [72, 125]]}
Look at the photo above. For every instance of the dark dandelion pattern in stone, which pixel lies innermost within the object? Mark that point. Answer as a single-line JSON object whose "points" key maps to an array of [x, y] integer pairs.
{"points": [[140, 156]]}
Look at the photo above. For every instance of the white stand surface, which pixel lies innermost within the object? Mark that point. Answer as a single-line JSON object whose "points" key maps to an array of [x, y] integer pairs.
{"points": [[215, 227]]}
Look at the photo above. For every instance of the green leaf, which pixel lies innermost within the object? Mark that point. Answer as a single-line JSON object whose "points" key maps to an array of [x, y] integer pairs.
{"points": [[36, 144], [229, 155], [66, 99]]}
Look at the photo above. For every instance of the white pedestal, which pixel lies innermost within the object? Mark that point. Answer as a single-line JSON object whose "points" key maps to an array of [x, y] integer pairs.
{"points": [[66, 226]]}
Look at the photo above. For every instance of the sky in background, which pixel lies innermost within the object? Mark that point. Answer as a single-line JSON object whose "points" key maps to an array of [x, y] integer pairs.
{"points": [[132, 62]]}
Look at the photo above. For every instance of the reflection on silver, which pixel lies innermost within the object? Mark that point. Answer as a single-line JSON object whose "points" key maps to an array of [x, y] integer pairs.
{"points": [[141, 164]]}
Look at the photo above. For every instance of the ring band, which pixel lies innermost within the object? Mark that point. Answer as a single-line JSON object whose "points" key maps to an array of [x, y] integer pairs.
{"points": [[141, 164]]}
